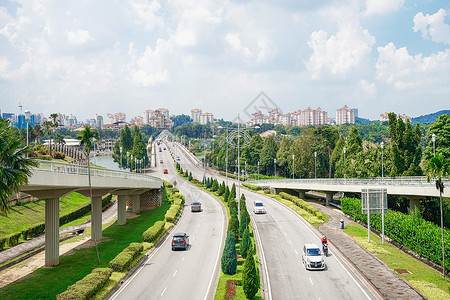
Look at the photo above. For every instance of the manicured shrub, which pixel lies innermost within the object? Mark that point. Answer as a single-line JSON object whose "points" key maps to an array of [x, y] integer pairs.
{"points": [[153, 232], [266, 191], [250, 280], [243, 222], [221, 189], [245, 243], [229, 258], [226, 195], [233, 192], [252, 187], [215, 185], [190, 176], [87, 287], [233, 225], [303, 205], [171, 214]]}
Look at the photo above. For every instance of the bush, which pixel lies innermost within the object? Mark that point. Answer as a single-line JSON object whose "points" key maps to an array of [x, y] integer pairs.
{"points": [[87, 287], [304, 205], [171, 214], [124, 260], [266, 191], [229, 258], [250, 280], [153, 232], [233, 225], [252, 187], [246, 243]]}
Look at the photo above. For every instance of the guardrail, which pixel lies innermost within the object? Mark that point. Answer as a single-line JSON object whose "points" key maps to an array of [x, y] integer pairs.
{"points": [[67, 168], [392, 181]]}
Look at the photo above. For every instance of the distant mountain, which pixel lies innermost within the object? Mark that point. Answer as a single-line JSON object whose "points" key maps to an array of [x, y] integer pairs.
{"points": [[362, 121], [430, 118]]}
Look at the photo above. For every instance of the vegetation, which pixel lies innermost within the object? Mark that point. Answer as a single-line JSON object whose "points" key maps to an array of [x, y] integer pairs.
{"points": [[250, 279], [229, 258]]}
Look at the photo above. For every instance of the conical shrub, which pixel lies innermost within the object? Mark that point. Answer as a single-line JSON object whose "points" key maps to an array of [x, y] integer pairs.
{"points": [[229, 258], [245, 244], [250, 280]]}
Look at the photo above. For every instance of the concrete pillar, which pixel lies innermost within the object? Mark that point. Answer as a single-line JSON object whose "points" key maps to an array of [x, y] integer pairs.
{"points": [[329, 197], [96, 217], [413, 204], [121, 209], [51, 232], [302, 194], [136, 203]]}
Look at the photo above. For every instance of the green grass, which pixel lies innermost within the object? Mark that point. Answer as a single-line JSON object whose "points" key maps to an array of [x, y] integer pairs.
{"points": [[425, 279], [25, 215], [46, 283]]}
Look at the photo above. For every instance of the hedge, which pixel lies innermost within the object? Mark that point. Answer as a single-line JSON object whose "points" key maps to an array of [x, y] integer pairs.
{"points": [[37, 229], [123, 261], [304, 205], [153, 232], [171, 214], [252, 187], [87, 287], [420, 236]]}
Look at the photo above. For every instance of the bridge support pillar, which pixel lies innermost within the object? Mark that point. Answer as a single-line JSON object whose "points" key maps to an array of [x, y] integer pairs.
{"points": [[51, 232], [414, 203], [96, 218], [136, 203], [302, 194], [121, 209], [329, 197]]}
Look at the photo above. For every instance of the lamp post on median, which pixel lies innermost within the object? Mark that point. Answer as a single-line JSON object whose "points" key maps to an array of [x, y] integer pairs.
{"points": [[345, 166], [293, 166], [27, 118], [131, 162], [128, 154], [258, 169], [275, 167], [121, 150], [315, 164], [434, 144], [382, 162]]}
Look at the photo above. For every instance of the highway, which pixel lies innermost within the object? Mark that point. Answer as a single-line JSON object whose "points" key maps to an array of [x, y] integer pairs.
{"points": [[283, 234], [190, 274]]}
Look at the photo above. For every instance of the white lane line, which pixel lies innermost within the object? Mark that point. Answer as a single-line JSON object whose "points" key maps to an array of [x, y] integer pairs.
{"points": [[175, 273], [296, 252], [269, 291], [193, 238], [310, 280], [163, 292], [183, 258], [290, 242]]}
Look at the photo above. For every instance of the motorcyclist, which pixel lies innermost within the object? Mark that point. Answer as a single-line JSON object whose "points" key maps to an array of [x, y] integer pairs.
{"points": [[324, 240], [324, 245]]}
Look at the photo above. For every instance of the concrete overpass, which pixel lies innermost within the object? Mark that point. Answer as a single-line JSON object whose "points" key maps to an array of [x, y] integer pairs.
{"points": [[413, 188], [52, 180]]}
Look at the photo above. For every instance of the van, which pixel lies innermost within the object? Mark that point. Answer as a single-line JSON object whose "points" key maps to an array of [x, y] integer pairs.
{"points": [[258, 207]]}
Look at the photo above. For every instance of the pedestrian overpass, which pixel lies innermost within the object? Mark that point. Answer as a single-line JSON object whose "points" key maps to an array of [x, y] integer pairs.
{"points": [[413, 188], [52, 180]]}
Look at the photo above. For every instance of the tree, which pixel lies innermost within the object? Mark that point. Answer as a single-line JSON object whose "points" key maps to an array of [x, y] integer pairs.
{"points": [[86, 138], [243, 224], [233, 224], [250, 280], [227, 194], [441, 129], [15, 167], [246, 243], [268, 154], [59, 139], [437, 168], [233, 192], [284, 156], [229, 258]]}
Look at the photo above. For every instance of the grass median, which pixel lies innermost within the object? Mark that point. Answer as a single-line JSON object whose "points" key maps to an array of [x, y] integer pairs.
{"points": [[426, 280]]}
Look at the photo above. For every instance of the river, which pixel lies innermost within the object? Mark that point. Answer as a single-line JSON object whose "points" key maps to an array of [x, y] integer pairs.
{"points": [[105, 161]]}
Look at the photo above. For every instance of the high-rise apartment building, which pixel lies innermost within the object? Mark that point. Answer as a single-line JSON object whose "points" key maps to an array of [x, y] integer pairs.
{"points": [[345, 115], [196, 114], [206, 118]]}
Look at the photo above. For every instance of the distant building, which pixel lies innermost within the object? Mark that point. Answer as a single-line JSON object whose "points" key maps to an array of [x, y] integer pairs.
{"points": [[385, 117], [206, 118], [196, 114], [345, 115], [99, 121], [158, 118], [117, 117], [307, 117]]}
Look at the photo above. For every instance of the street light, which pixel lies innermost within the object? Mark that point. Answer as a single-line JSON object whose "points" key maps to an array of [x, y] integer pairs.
{"points": [[434, 144], [258, 169], [382, 161], [121, 150], [131, 162], [27, 117], [293, 166], [345, 166], [315, 164], [275, 167], [128, 154], [226, 157]]}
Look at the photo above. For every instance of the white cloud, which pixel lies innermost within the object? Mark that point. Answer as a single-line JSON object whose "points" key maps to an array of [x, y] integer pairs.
{"points": [[368, 87], [382, 6], [146, 12], [235, 43], [433, 26], [340, 53], [401, 70], [79, 37]]}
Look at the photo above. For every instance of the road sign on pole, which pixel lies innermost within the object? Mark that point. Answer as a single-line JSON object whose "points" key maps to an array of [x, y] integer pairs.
{"points": [[374, 201]]}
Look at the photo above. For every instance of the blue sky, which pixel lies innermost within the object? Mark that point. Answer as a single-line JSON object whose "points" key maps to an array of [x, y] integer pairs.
{"points": [[86, 57]]}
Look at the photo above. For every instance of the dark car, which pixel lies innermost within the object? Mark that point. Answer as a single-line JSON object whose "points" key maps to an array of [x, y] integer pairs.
{"points": [[180, 241], [196, 206]]}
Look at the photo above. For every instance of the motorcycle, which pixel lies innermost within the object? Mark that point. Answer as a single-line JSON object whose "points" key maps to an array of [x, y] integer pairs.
{"points": [[325, 249]]}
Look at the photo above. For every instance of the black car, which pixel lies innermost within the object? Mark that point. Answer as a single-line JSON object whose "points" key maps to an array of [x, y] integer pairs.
{"points": [[180, 241]]}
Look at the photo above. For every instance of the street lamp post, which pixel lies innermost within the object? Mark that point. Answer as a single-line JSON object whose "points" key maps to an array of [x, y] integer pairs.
{"points": [[27, 118], [121, 150], [128, 154], [258, 169], [293, 166], [131, 162], [434, 144], [275, 167], [315, 164], [245, 174], [382, 162], [345, 166]]}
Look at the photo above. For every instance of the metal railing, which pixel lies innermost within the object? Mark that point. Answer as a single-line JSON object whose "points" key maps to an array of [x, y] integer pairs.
{"points": [[67, 168], [391, 181]]}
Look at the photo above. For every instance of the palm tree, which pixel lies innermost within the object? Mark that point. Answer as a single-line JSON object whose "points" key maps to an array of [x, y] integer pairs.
{"points": [[439, 167], [86, 138], [15, 167], [37, 133], [48, 125], [59, 139]]}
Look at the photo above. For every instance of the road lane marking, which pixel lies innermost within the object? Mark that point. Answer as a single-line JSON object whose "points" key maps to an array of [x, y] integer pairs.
{"points": [[175, 273], [296, 252], [290, 242], [163, 292], [269, 292], [183, 258], [310, 280]]}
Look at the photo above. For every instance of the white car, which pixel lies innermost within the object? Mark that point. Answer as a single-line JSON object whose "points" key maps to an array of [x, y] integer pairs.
{"points": [[312, 257], [258, 207]]}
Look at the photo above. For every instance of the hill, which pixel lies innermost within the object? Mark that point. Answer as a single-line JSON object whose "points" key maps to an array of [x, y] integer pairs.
{"points": [[430, 118]]}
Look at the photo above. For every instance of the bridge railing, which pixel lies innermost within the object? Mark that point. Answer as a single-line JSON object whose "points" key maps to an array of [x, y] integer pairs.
{"points": [[67, 168], [412, 181]]}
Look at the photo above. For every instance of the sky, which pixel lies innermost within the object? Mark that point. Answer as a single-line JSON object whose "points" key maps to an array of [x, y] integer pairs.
{"points": [[107, 56]]}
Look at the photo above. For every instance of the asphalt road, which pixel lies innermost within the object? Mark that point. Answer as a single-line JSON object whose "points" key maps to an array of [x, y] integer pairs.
{"points": [[283, 234], [190, 274]]}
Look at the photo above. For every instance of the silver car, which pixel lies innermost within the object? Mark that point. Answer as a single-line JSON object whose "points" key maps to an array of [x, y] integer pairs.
{"points": [[196, 206], [312, 257]]}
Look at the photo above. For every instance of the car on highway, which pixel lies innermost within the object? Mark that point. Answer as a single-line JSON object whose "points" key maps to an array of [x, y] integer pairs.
{"points": [[196, 206], [161, 161], [312, 257], [164, 148], [258, 207], [166, 171], [178, 158], [160, 150], [180, 241]]}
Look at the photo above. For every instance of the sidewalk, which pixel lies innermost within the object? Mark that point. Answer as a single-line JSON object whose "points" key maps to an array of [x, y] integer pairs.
{"points": [[388, 284], [34, 243]]}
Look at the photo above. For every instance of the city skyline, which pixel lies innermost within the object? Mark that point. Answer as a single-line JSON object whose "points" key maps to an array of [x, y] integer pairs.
{"points": [[220, 56]]}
